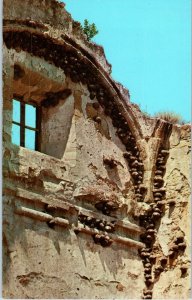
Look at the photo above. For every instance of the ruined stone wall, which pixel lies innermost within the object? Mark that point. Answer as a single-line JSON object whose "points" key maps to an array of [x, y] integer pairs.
{"points": [[61, 260], [102, 209], [174, 235]]}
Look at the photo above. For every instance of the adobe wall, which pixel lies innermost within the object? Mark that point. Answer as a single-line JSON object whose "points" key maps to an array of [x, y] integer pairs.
{"points": [[102, 210], [174, 282], [58, 261]]}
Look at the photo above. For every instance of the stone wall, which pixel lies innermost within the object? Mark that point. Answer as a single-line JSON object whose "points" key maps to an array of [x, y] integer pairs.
{"points": [[102, 209], [174, 236]]}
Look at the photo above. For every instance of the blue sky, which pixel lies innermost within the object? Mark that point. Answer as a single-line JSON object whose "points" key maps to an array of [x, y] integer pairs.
{"points": [[148, 44], [30, 120]]}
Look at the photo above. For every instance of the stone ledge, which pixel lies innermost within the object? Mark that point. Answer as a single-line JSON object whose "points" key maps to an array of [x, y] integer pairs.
{"points": [[62, 204]]}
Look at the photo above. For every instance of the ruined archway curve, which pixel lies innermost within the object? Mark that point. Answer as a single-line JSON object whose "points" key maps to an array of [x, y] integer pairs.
{"points": [[29, 39]]}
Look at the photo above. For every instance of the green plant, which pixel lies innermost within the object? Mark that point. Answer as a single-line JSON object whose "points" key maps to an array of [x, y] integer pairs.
{"points": [[89, 29], [170, 117]]}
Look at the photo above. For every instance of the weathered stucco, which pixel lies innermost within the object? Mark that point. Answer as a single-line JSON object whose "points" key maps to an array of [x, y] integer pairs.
{"points": [[102, 209]]}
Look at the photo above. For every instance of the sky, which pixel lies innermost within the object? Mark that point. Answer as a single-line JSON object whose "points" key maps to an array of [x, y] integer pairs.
{"points": [[30, 120], [148, 44]]}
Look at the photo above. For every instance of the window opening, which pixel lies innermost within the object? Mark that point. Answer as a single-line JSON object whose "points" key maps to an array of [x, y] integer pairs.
{"points": [[25, 127]]}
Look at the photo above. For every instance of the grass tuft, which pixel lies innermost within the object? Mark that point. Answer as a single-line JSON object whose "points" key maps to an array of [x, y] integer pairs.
{"points": [[170, 117]]}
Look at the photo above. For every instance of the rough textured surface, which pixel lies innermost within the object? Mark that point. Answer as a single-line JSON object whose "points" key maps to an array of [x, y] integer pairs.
{"points": [[102, 209], [174, 283]]}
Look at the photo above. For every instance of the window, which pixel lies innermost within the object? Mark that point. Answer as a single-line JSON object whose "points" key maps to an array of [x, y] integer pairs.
{"points": [[25, 125], [42, 109]]}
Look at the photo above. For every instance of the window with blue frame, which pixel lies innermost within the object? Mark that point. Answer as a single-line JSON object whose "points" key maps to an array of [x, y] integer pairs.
{"points": [[25, 125]]}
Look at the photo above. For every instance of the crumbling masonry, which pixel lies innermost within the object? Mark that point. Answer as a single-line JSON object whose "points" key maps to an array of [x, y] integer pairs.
{"points": [[101, 210]]}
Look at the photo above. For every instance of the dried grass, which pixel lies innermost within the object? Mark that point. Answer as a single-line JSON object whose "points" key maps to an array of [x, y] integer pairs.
{"points": [[170, 117]]}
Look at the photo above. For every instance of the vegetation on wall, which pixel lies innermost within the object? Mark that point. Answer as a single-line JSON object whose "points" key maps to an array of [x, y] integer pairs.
{"points": [[170, 117], [89, 29]]}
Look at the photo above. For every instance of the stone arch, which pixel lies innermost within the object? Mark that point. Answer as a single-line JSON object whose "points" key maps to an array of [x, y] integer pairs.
{"points": [[55, 51], [82, 67]]}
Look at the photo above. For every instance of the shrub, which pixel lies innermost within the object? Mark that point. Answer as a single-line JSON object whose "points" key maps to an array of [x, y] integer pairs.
{"points": [[89, 29], [170, 117]]}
